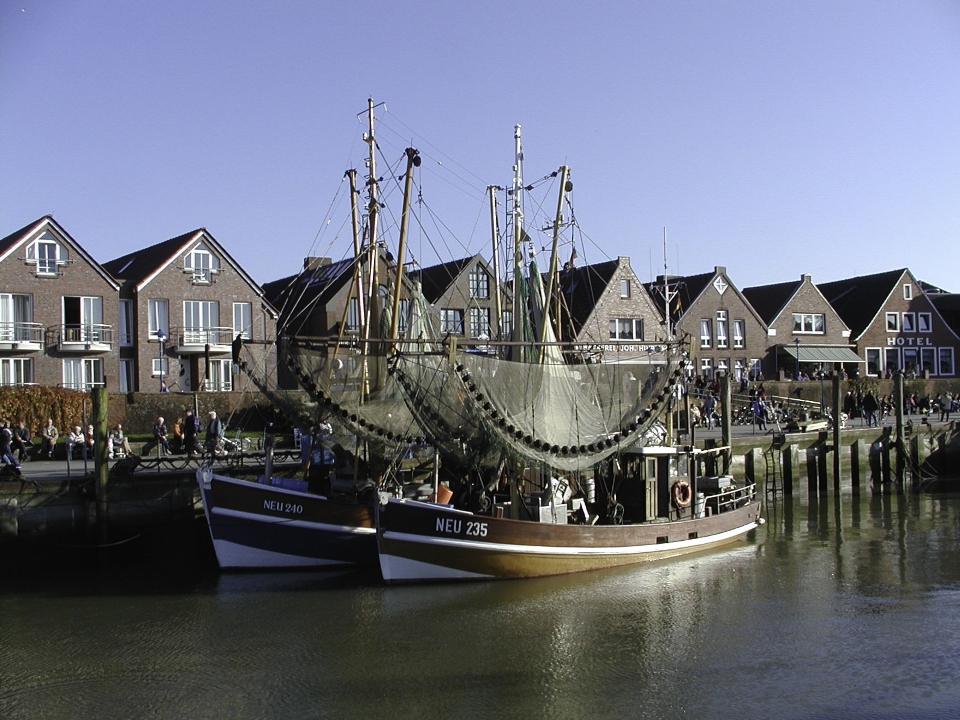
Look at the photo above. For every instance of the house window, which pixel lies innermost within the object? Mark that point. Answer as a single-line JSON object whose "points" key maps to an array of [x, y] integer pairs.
{"points": [[946, 360], [893, 322], [891, 360], [16, 317], [82, 373], [908, 291], [706, 368], [201, 264], [46, 253], [625, 288], [924, 322], [451, 321], [506, 323], [126, 378], [722, 340], [403, 322], [739, 334], [159, 317], [160, 367], [626, 329], [200, 321], [809, 323], [126, 323], [353, 315], [739, 368], [16, 371], [479, 322], [723, 366], [83, 319], [928, 360], [909, 322], [479, 283], [220, 379], [873, 361], [243, 320], [706, 339], [911, 361]]}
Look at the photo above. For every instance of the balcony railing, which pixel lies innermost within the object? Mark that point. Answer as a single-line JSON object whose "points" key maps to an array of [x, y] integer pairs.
{"points": [[85, 338], [23, 336], [196, 340]]}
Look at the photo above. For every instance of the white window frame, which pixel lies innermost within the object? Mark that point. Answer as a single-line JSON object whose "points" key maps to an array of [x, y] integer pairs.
{"points": [[159, 367], [353, 315], [910, 357], [199, 318], [158, 312], [945, 362], [16, 313], [243, 320], [893, 322], [479, 322], [892, 352], [82, 373], [39, 253], [925, 322], [706, 338], [907, 291], [706, 368], [624, 288], [506, 323], [928, 359], [221, 377], [809, 324], [201, 264], [878, 354], [908, 322], [16, 371], [739, 331], [723, 340]]}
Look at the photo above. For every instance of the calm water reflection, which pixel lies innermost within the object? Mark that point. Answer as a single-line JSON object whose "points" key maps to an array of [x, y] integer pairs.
{"points": [[827, 612]]}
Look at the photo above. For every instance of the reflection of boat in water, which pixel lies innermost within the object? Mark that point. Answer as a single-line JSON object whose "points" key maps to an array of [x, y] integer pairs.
{"points": [[646, 512]]}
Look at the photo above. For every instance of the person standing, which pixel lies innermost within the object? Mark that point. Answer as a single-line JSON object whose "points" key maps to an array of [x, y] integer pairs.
{"points": [[870, 406], [48, 439], [191, 430], [214, 437]]}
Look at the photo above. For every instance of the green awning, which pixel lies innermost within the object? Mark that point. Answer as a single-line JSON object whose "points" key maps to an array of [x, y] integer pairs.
{"points": [[822, 353]]}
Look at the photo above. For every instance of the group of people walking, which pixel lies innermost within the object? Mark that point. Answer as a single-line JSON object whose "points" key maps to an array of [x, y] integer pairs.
{"points": [[185, 436]]}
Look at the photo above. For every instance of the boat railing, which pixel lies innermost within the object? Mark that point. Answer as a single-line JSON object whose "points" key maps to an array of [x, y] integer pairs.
{"points": [[730, 499]]}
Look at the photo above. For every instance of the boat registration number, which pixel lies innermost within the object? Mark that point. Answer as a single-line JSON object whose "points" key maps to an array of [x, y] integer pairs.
{"points": [[282, 507], [454, 526]]}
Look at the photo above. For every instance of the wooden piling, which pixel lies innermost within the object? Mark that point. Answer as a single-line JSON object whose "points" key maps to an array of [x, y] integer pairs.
{"points": [[837, 427], [101, 468]]}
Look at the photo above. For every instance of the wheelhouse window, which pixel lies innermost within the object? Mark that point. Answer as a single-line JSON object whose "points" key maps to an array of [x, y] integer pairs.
{"points": [[353, 315], [809, 323]]}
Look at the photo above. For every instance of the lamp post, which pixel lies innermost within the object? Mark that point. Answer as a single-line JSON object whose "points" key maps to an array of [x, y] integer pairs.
{"points": [[161, 336], [797, 342]]}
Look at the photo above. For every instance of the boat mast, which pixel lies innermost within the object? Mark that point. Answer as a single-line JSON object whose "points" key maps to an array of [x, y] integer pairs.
{"points": [[666, 288], [558, 220], [357, 273], [413, 160], [495, 236], [516, 218]]}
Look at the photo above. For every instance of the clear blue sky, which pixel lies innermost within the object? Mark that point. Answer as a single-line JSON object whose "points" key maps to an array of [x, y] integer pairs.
{"points": [[775, 138]]}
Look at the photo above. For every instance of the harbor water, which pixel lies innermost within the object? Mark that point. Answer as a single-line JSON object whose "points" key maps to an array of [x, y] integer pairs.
{"points": [[829, 610]]}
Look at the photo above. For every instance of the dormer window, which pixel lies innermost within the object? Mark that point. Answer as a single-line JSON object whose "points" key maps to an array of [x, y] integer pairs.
{"points": [[202, 264], [47, 254]]}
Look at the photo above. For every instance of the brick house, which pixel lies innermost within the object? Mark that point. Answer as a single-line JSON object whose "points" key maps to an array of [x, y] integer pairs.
{"points": [[802, 325], [182, 303], [605, 302], [894, 324], [462, 299], [58, 311], [322, 300], [724, 332]]}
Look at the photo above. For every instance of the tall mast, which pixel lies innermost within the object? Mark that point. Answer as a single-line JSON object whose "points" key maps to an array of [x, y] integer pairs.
{"points": [[413, 160], [495, 234], [666, 287], [516, 218]]}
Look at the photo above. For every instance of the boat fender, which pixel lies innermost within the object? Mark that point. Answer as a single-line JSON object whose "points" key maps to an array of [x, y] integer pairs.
{"points": [[680, 494]]}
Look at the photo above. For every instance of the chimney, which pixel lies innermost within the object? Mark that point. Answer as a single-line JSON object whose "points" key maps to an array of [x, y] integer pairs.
{"points": [[312, 263]]}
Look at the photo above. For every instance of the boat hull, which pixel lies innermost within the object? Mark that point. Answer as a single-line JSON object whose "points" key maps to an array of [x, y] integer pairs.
{"points": [[261, 526], [427, 542]]}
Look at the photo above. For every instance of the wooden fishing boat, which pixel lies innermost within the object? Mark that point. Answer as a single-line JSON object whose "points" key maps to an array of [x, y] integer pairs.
{"points": [[649, 513]]}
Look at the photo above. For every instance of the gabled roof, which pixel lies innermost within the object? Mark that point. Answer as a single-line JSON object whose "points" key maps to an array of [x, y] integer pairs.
{"points": [[143, 265], [581, 288], [858, 300], [297, 295], [687, 289], [770, 300], [15, 240], [437, 279]]}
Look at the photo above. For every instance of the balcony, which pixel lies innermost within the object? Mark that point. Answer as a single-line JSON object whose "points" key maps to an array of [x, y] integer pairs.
{"points": [[195, 341], [85, 338], [21, 337]]}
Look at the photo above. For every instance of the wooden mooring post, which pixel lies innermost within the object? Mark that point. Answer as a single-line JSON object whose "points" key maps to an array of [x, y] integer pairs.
{"points": [[101, 468]]}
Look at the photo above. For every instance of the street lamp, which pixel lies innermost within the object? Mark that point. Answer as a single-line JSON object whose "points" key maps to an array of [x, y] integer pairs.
{"points": [[161, 336], [797, 342]]}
